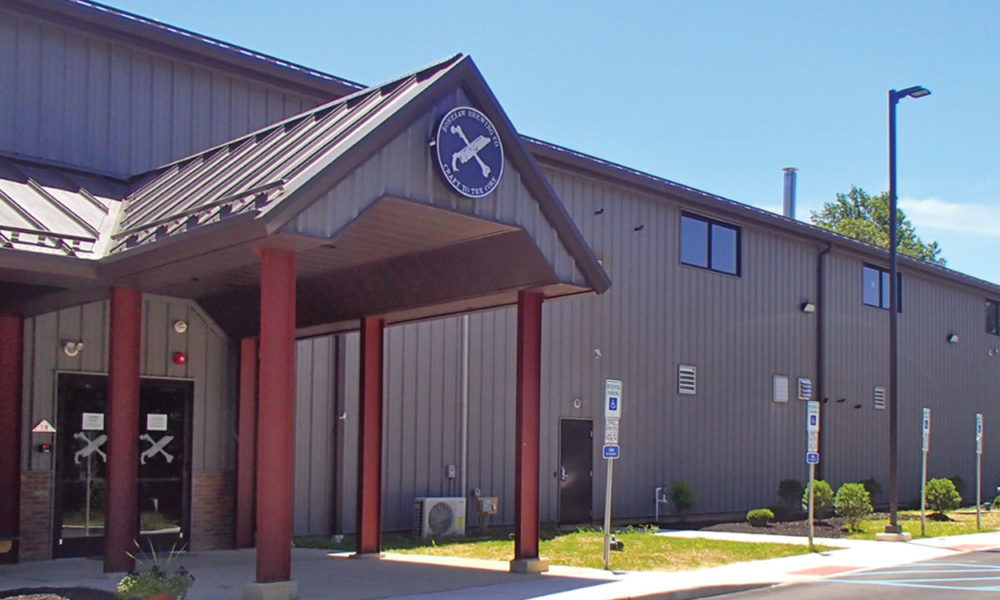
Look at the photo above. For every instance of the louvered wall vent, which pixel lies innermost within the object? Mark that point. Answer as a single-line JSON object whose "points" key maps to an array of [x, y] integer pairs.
{"points": [[879, 398], [687, 379], [805, 389]]}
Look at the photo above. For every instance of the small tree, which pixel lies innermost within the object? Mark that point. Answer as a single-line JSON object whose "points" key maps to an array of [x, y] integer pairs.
{"points": [[822, 498], [853, 503], [942, 495], [682, 495]]}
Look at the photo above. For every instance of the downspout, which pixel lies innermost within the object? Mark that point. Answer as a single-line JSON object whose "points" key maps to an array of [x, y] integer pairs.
{"points": [[821, 345], [463, 469]]}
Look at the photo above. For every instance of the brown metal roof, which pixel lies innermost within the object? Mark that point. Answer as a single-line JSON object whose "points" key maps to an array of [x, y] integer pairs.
{"points": [[250, 173], [45, 209]]}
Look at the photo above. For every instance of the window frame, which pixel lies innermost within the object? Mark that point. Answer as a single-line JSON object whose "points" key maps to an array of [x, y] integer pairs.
{"points": [[710, 224], [996, 316], [882, 293]]}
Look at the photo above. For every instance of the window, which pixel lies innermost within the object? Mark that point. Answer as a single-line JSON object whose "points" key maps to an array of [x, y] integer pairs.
{"points": [[710, 245], [993, 317], [875, 292]]}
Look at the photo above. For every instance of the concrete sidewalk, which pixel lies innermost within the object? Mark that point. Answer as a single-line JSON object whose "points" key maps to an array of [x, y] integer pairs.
{"points": [[323, 575]]}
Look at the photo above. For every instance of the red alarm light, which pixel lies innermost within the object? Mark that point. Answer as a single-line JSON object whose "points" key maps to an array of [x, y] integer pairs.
{"points": [[180, 358]]}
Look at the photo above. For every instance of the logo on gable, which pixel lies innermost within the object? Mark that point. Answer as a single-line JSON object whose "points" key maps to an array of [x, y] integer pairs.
{"points": [[469, 152]]}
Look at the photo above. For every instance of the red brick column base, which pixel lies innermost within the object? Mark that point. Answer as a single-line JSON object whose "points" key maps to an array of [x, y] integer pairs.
{"points": [[35, 541], [212, 507]]}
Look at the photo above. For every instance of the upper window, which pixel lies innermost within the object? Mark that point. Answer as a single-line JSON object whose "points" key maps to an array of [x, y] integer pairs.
{"points": [[876, 287], [710, 245], [993, 317]]}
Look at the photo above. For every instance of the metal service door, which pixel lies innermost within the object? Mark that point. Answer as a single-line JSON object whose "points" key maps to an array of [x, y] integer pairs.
{"points": [[81, 459], [576, 455]]}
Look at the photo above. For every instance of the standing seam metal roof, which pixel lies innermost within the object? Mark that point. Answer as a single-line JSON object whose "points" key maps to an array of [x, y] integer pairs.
{"points": [[253, 171], [56, 211]]}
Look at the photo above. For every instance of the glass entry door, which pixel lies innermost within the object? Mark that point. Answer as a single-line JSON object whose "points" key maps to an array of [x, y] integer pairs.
{"points": [[81, 461]]}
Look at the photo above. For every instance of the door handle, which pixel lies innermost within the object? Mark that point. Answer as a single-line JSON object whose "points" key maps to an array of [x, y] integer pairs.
{"points": [[562, 474]]}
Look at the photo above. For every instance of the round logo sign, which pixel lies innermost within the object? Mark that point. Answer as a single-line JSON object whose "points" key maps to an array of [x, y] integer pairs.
{"points": [[469, 152]]}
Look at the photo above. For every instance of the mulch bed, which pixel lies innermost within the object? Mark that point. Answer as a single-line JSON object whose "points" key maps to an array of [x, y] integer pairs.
{"points": [[76, 593], [830, 527]]}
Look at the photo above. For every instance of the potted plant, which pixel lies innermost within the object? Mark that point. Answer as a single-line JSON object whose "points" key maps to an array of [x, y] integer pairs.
{"points": [[156, 579]]}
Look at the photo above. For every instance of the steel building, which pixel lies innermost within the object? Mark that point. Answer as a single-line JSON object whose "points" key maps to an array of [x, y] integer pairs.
{"points": [[279, 271]]}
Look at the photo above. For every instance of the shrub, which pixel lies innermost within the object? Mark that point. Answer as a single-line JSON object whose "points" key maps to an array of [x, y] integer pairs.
{"points": [[942, 495], [822, 498], [789, 490], [996, 503], [873, 487], [853, 503], [682, 495], [760, 517]]}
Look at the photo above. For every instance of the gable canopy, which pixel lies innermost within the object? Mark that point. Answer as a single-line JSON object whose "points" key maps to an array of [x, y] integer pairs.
{"points": [[352, 187]]}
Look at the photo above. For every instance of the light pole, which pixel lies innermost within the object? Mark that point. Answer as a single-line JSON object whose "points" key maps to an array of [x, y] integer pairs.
{"points": [[894, 98]]}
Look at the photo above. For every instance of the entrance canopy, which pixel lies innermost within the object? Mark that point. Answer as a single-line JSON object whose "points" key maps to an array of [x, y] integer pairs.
{"points": [[353, 188]]}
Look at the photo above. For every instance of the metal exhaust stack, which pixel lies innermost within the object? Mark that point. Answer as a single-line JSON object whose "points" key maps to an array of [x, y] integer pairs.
{"points": [[789, 204]]}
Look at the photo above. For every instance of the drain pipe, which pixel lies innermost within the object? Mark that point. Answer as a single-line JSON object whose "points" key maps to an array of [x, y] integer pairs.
{"points": [[821, 345], [465, 407]]}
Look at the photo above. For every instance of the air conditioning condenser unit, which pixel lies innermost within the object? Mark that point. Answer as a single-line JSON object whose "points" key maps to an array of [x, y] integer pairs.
{"points": [[438, 517]]}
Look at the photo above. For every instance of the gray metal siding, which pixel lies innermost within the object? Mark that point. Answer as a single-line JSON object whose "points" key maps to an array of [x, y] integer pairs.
{"points": [[315, 434], [403, 168], [730, 440], [208, 364], [84, 101]]}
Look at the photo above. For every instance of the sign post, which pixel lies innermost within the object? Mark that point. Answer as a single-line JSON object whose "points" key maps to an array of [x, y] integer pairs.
{"points": [[926, 437], [812, 457], [612, 414], [979, 470]]}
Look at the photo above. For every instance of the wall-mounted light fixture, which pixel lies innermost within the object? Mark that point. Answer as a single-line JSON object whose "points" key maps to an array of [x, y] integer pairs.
{"points": [[808, 307], [577, 402], [180, 326], [72, 347], [597, 353], [952, 338]]}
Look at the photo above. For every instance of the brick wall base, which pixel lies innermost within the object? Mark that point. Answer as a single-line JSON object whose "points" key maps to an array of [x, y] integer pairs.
{"points": [[35, 539], [212, 510]]}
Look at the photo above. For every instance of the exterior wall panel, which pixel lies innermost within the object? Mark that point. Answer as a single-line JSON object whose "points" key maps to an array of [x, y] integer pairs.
{"points": [[208, 365], [115, 108], [404, 168], [315, 435]]}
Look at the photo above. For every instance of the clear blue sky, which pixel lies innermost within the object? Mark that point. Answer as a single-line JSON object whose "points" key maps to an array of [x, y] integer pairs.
{"points": [[715, 94]]}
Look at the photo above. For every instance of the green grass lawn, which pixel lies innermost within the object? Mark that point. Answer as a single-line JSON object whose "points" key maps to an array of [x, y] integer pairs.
{"points": [[958, 523], [584, 548]]}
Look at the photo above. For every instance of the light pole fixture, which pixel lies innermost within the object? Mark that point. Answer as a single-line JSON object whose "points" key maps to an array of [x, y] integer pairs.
{"points": [[894, 98]]}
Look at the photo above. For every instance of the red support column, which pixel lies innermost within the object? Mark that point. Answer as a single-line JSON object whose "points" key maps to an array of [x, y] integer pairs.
{"points": [[121, 521], [246, 452], [11, 351], [276, 416], [369, 524], [528, 433]]}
